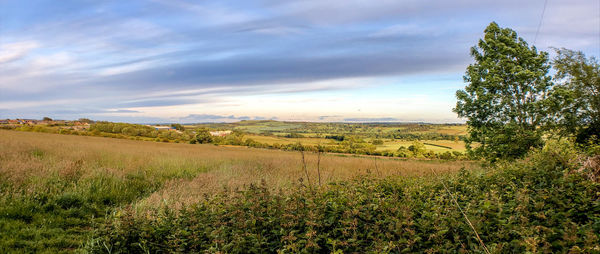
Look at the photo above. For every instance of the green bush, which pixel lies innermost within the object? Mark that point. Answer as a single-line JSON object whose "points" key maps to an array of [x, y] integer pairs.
{"points": [[541, 204]]}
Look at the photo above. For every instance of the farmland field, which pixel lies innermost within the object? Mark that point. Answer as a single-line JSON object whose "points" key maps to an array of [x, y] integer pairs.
{"points": [[435, 145], [438, 138], [54, 187], [434, 141]]}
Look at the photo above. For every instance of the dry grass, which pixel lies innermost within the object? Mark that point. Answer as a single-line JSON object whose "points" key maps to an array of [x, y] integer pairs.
{"points": [[186, 171], [394, 145], [285, 141]]}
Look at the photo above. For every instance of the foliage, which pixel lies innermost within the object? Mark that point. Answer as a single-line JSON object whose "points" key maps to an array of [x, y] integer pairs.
{"points": [[178, 127], [377, 142], [576, 97], [336, 137], [417, 148], [504, 100], [55, 213], [202, 136], [85, 120], [541, 204], [136, 130], [55, 189], [293, 135]]}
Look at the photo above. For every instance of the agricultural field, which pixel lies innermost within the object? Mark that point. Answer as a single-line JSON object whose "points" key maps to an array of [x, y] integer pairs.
{"points": [[55, 189], [436, 137], [314, 129], [434, 145], [438, 141]]}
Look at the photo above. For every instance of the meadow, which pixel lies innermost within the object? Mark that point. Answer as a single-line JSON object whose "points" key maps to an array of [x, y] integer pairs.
{"points": [[56, 189], [67, 193]]}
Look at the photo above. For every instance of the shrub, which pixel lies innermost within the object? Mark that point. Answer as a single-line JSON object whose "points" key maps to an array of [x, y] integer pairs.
{"points": [[540, 204]]}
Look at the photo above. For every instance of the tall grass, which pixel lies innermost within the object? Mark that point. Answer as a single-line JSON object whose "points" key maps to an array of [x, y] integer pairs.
{"points": [[55, 189], [540, 205]]}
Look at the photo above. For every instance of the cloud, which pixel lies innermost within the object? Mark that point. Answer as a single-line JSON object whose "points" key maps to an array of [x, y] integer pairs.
{"points": [[213, 118], [122, 111], [329, 117], [14, 51], [105, 55], [372, 119]]}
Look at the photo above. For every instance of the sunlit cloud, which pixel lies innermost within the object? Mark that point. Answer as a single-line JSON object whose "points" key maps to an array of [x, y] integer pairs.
{"points": [[175, 60]]}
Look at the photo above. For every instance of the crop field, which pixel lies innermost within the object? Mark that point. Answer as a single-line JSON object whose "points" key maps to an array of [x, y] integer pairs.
{"points": [[284, 141], [434, 145], [310, 129]]}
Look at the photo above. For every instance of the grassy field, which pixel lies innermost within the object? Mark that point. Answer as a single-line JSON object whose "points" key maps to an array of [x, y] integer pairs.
{"points": [[389, 145], [55, 188], [284, 141], [438, 138], [438, 145], [312, 129], [66, 193]]}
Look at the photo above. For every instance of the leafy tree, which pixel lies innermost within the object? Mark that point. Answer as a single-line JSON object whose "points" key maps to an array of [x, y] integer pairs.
{"points": [[47, 118], [417, 148], [203, 136], [576, 97], [178, 127], [504, 100]]}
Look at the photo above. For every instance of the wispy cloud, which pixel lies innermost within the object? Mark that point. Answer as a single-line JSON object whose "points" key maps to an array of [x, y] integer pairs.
{"points": [[16, 50], [176, 56], [213, 118]]}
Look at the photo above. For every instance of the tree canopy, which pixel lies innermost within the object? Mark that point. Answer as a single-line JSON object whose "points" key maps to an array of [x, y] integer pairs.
{"points": [[505, 97], [576, 96]]}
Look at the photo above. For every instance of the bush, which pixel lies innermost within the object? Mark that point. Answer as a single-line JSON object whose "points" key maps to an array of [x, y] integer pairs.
{"points": [[540, 204], [377, 142]]}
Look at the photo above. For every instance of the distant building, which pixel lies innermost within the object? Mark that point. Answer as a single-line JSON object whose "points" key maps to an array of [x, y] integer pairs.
{"points": [[164, 128], [220, 133], [28, 121]]}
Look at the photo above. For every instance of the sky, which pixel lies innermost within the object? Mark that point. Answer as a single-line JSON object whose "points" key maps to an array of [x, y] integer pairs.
{"points": [[222, 61]]}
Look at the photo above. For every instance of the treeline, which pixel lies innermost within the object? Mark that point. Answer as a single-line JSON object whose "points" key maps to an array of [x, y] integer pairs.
{"points": [[113, 130], [138, 130], [421, 136]]}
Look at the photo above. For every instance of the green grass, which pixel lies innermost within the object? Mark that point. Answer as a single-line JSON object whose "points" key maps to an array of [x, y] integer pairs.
{"points": [[540, 205], [55, 190], [64, 194], [434, 145]]}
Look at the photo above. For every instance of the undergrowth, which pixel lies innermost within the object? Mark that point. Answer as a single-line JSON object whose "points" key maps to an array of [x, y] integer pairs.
{"points": [[541, 204]]}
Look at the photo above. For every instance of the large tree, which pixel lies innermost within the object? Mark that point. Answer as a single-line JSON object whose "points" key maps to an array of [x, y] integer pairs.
{"points": [[576, 96], [504, 100]]}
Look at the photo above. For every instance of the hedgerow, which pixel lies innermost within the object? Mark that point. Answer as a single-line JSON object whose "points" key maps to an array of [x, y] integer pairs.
{"points": [[541, 204]]}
